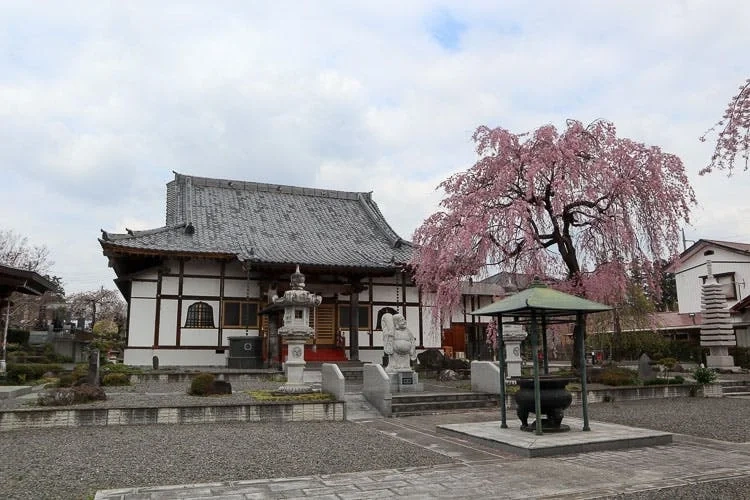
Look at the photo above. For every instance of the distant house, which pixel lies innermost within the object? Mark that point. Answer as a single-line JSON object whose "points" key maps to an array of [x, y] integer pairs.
{"points": [[227, 247], [730, 262]]}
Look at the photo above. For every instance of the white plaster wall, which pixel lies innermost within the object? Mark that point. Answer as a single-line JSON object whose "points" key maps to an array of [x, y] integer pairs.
{"points": [[170, 285], [175, 357], [412, 294], [377, 338], [239, 288], [688, 277], [386, 293], [207, 267], [199, 336], [141, 289], [141, 327], [201, 286], [168, 322]]}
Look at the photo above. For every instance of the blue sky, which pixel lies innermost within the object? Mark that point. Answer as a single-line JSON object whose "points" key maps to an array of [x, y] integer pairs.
{"points": [[101, 101]]}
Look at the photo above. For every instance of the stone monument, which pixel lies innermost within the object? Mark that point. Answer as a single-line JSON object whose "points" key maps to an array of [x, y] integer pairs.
{"points": [[93, 374], [297, 303], [513, 335], [716, 331], [401, 347]]}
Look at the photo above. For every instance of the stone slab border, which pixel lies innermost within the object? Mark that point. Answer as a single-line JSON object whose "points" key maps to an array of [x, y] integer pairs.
{"points": [[264, 413]]}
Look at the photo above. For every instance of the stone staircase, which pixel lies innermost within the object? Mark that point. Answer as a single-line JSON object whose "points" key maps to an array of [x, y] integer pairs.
{"points": [[408, 404], [735, 388]]}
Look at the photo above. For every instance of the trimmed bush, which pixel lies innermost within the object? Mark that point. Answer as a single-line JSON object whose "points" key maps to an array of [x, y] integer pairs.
{"points": [[112, 379], [614, 376], [200, 385], [27, 372], [64, 396], [17, 336]]}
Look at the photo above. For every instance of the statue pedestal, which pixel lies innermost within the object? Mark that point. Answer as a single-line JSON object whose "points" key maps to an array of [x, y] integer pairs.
{"points": [[295, 367], [513, 335], [405, 381], [719, 358]]}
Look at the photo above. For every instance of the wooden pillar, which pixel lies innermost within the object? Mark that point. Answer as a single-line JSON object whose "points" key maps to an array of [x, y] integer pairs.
{"points": [[354, 319]]}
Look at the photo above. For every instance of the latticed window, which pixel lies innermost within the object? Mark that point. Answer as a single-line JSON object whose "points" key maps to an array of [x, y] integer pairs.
{"points": [[200, 315]]}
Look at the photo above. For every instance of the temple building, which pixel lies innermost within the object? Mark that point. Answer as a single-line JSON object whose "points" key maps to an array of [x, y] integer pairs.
{"points": [[228, 247]]}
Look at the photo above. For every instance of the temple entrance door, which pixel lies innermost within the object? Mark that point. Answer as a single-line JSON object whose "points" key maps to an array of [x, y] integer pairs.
{"points": [[326, 333]]}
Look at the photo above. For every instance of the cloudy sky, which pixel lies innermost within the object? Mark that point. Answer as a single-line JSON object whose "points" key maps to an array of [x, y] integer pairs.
{"points": [[101, 101]]}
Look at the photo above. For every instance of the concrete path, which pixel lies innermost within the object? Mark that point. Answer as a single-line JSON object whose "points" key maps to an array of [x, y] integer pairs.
{"points": [[487, 473]]}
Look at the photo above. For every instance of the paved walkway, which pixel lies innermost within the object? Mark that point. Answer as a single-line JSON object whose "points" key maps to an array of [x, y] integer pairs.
{"points": [[480, 472]]}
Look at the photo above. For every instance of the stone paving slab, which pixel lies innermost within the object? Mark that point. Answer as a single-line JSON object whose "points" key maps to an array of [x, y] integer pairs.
{"points": [[583, 475], [602, 436], [13, 391]]}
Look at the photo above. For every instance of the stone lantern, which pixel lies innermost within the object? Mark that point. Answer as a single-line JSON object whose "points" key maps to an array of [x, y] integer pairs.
{"points": [[513, 335], [297, 303]]}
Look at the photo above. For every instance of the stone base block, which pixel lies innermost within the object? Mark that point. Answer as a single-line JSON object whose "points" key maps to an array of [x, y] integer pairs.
{"points": [[720, 362], [405, 381]]}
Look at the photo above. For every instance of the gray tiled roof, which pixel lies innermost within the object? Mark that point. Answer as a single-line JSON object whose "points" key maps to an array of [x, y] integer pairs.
{"points": [[270, 223]]}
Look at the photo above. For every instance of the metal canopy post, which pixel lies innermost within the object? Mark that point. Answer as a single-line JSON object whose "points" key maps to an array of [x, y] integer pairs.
{"points": [[544, 343], [501, 347], [580, 332], [537, 391]]}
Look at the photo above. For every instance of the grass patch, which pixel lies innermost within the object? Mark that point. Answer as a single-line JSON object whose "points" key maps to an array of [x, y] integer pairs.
{"points": [[280, 396]]}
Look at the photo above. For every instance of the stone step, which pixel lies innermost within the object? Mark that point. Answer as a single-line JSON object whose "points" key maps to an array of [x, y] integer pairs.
{"points": [[427, 407], [736, 394], [733, 389], [412, 398]]}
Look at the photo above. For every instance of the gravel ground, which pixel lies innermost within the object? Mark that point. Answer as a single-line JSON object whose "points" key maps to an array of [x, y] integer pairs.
{"points": [[74, 463], [715, 490], [714, 418]]}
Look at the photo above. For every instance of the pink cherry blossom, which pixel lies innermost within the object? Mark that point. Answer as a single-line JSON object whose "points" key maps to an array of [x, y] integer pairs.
{"points": [[734, 138], [578, 206]]}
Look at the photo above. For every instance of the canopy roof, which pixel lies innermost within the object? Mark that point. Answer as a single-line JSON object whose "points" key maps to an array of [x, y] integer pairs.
{"points": [[539, 299], [13, 279]]}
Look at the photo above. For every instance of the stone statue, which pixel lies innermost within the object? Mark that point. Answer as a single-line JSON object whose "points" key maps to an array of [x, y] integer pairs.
{"points": [[398, 343]]}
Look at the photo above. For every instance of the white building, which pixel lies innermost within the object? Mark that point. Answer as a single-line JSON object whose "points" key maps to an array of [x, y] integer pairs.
{"points": [[730, 264], [228, 247]]}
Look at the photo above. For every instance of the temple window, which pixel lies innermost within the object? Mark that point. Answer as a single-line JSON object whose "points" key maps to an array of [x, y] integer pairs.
{"points": [[200, 315]]}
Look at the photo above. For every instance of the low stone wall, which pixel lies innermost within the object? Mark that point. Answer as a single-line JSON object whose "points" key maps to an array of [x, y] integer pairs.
{"points": [[227, 375], [376, 388], [632, 393], [262, 412], [333, 381]]}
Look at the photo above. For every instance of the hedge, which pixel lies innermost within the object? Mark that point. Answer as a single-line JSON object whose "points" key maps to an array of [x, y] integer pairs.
{"points": [[26, 372]]}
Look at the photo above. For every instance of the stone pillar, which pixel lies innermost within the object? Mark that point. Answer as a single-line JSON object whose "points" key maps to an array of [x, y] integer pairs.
{"points": [[513, 335]]}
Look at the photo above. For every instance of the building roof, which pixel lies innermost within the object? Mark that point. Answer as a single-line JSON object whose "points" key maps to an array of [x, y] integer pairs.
{"points": [[743, 248], [13, 279], [268, 223]]}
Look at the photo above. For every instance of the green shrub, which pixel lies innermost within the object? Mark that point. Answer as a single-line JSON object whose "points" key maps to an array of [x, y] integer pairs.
{"points": [[741, 356], [112, 379], [66, 380], [704, 375], [27, 372], [615, 376], [16, 336], [201, 384]]}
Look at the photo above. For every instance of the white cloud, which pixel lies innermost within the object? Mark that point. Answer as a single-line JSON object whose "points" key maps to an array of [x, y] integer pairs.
{"points": [[100, 102]]}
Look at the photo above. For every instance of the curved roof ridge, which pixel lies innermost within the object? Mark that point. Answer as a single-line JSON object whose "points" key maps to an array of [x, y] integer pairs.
{"points": [[268, 187]]}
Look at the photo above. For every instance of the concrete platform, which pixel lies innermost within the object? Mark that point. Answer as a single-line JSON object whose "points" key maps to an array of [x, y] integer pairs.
{"points": [[601, 437], [13, 391]]}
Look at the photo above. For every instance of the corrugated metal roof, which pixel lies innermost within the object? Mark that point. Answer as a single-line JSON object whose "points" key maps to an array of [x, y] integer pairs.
{"points": [[271, 223], [540, 299]]}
